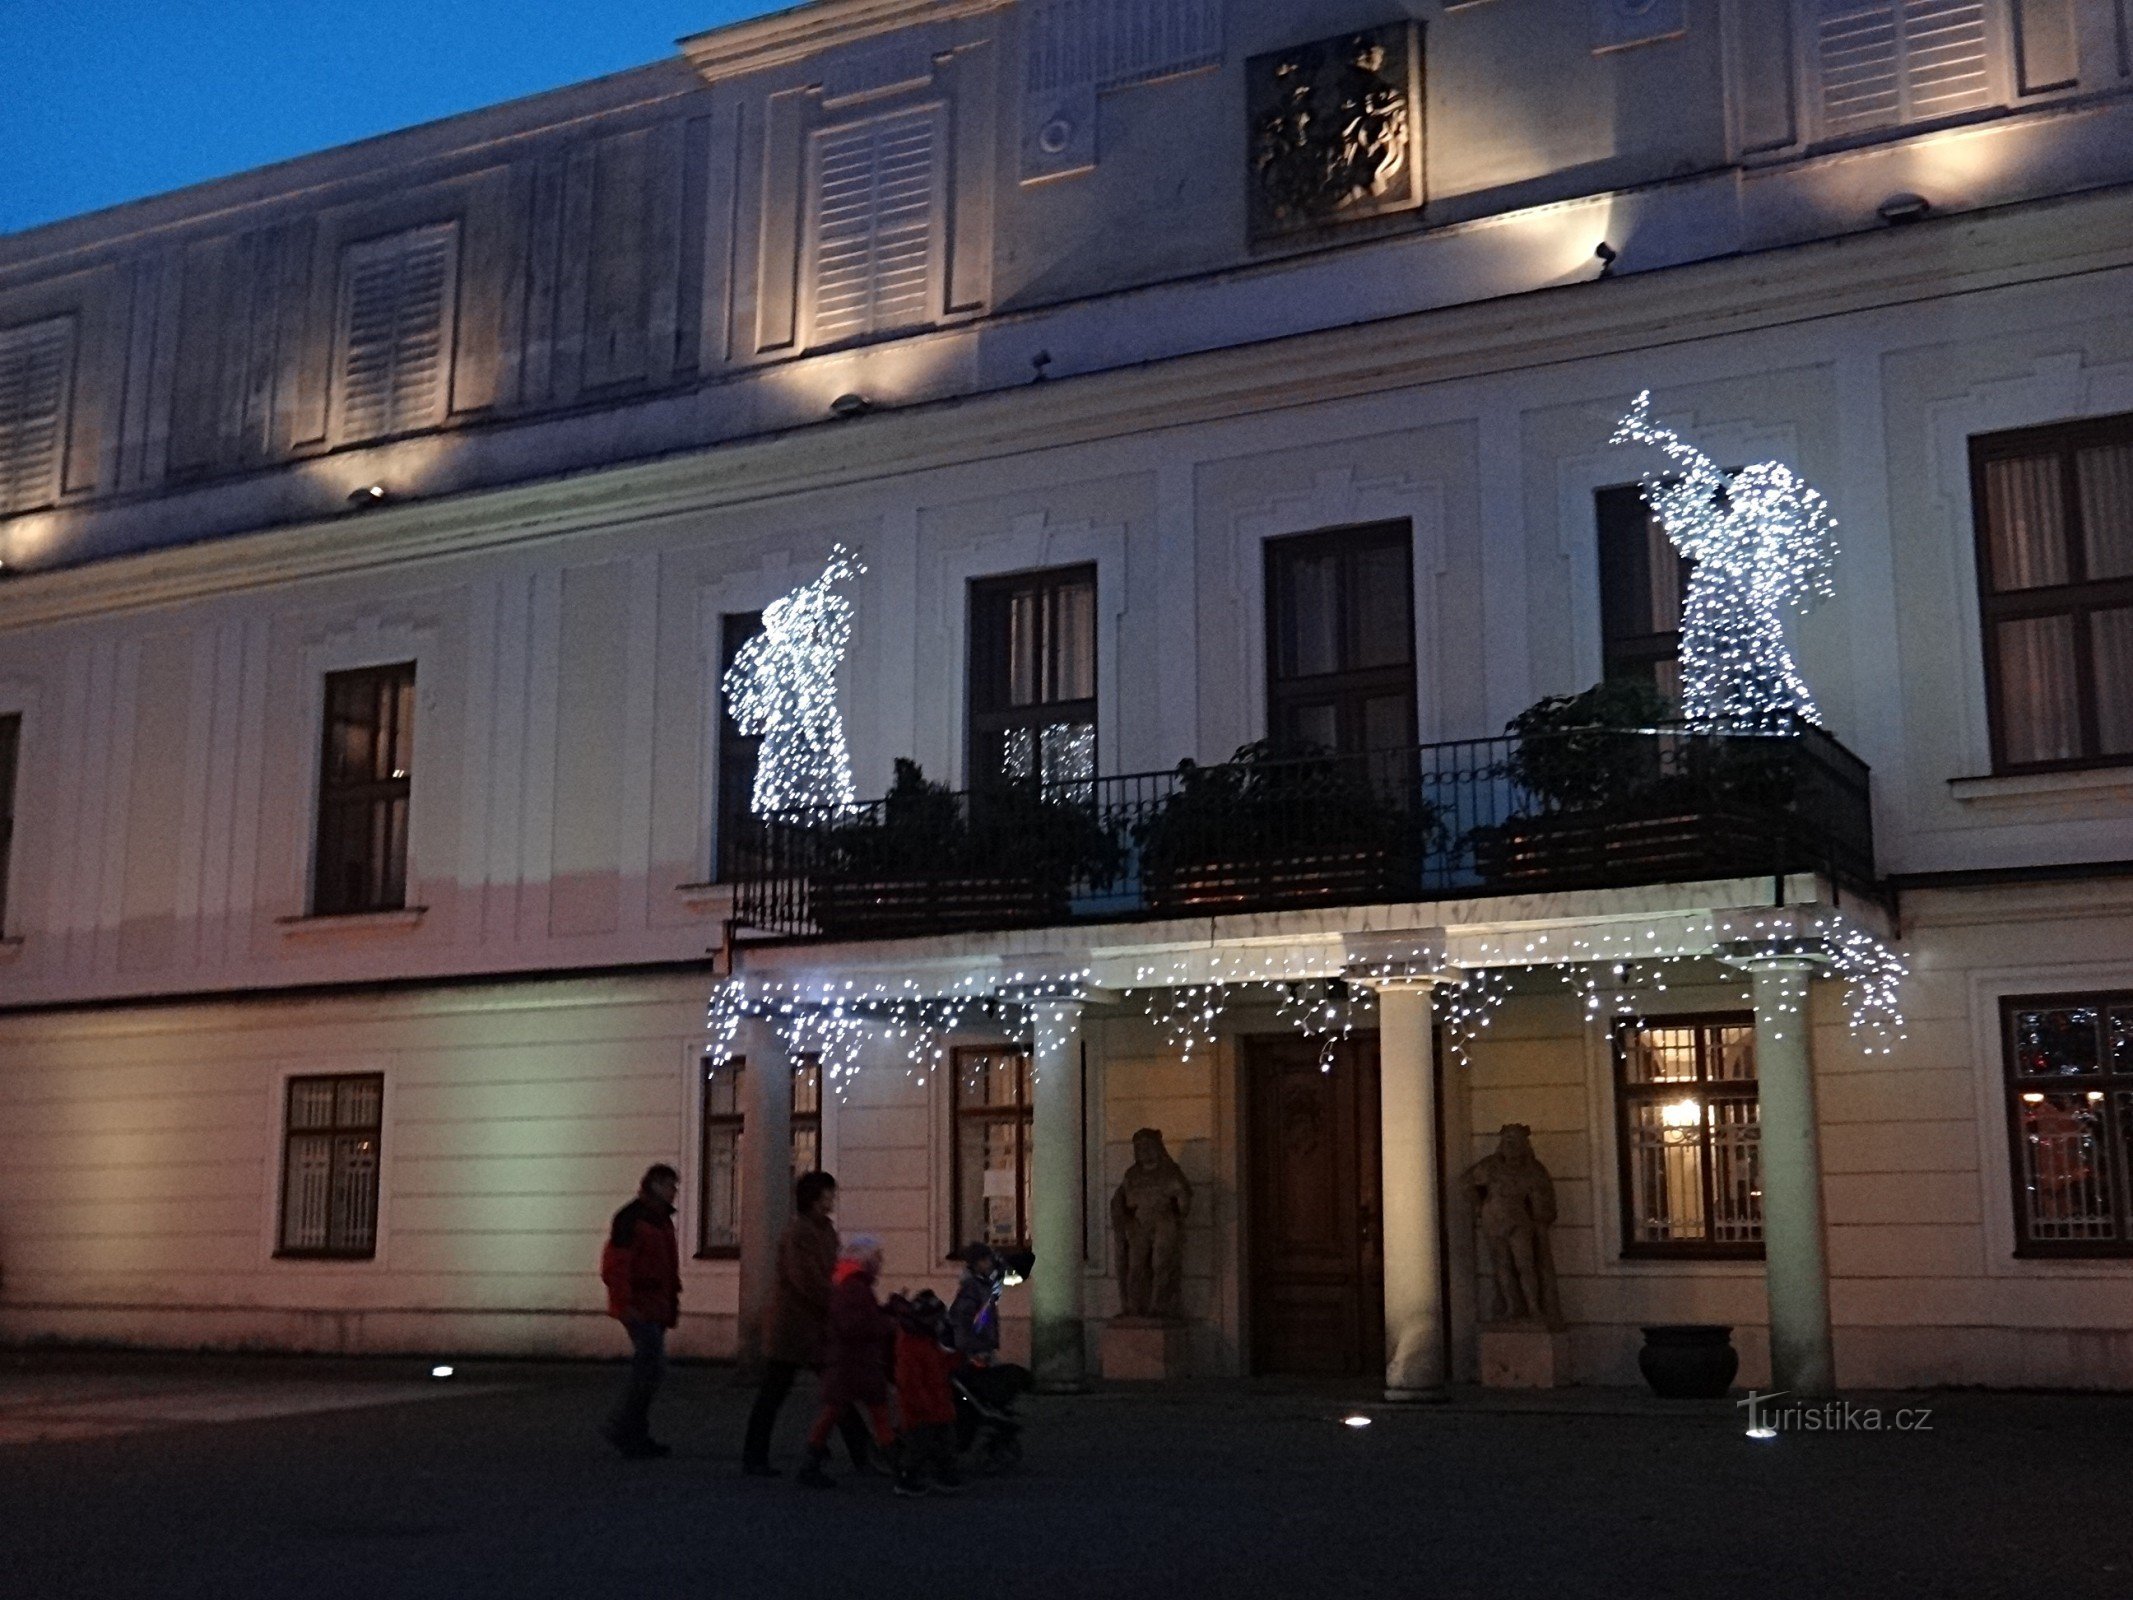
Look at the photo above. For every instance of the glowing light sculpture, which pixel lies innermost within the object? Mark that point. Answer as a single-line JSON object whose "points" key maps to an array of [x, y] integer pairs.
{"points": [[782, 687], [1763, 543]]}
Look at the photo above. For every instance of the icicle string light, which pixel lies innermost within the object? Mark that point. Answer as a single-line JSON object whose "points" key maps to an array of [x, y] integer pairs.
{"points": [[1620, 970], [782, 687], [1763, 542]]}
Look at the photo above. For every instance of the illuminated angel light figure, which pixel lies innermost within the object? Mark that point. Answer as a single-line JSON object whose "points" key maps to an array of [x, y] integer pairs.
{"points": [[783, 687], [1763, 542]]}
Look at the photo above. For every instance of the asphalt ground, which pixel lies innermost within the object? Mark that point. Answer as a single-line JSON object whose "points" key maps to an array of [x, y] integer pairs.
{"points": [[230, 1478]]}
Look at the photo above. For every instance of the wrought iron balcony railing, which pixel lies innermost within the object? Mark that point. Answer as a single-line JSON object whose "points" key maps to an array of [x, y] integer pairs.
{"points": [[1579, 809]]}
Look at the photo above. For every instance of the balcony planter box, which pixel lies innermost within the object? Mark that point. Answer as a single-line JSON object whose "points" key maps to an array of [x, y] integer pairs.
{"points": [[1689, 1360], [1335, 878], [1599, 848], [888, 907]]}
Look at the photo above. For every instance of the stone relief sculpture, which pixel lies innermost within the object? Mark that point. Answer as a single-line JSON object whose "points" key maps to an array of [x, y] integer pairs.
{"points": [[1148, 1211], [1516, 1201], [1335, 130]]}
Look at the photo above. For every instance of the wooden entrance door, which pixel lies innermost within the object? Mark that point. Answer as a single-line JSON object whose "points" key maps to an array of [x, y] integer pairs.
{"points": [[1317, 1272]]}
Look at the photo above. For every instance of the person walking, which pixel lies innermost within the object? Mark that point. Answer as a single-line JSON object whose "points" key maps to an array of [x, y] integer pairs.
{"points": [[796, 1321], [641, 1266], [862, 1340]]}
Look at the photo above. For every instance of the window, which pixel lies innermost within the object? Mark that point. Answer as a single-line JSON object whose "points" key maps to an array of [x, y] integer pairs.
{"points": [[397, 319], [1033, 677], [1690, 1137], [737, 751], [873, 188], [1882, 63], [1341, 640], [10, 753], [364, 777], [329, 1167], [2054, 509], [725, 1123], [2070, 1115], [1644, 584], [992, 1147], [36, 377]]}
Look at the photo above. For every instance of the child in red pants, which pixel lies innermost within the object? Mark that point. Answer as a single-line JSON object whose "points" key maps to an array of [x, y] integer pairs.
{"points": [[861, 1347], [925, 1364]]}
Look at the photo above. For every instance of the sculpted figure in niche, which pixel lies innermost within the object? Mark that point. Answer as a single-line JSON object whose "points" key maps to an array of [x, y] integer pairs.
{"points": [[1148, 1213], [1516, 1199]]}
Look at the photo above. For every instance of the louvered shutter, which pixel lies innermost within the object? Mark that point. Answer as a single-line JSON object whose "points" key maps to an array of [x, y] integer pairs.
{"points": [[1899, 61], [397, 307], [36, 377], [871, 226]]}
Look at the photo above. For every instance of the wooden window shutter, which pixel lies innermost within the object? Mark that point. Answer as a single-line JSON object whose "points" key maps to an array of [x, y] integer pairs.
{"points": [[1883, 63], [875, 200], [36, 380], [398, 309]]}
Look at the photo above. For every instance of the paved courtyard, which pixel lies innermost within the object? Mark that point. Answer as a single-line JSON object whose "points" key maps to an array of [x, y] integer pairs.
{"points": [[227, 1478]]}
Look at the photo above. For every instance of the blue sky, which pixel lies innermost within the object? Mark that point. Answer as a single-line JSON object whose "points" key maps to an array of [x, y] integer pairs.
{"points": [[103, 101]]}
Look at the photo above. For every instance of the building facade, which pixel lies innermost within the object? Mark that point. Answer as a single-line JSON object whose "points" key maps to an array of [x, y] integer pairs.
{"points": [[378, 527]]}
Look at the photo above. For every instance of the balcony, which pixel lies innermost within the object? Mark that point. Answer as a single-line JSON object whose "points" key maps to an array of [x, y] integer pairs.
{"points": [[1590, 808]]}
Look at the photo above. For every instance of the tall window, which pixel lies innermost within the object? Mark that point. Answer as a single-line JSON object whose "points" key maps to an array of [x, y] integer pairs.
{"points": [[725, 1126], [992, 1147], [737, 751], [364, 777], [874, 209], [1644, 583], [1033, 677], [1341, 640], [36, 377], [1690, 1138], [2070, 1113], [10, 752], [398, 312], [1881, 63], [329, 1167], [2054, 511]]}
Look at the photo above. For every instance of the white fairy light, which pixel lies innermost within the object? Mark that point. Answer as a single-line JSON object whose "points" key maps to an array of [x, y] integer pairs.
{"points": [[1763, 542], [782, 687]]}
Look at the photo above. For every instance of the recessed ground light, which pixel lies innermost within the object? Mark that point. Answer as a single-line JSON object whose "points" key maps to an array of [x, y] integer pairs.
{"points": [[1762, 1432], [440, 1372], [1357, 1421]]}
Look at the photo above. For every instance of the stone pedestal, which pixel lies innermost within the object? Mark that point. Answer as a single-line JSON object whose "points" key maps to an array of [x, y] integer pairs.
{"points": [[1524, 1355], [1144, 1350]]}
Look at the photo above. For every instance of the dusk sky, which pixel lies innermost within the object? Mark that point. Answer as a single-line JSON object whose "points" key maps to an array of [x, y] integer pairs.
{"points": [[109, 100]]}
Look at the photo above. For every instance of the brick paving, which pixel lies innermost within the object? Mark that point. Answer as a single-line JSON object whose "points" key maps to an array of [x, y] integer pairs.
{"points": [[327, 1479]]}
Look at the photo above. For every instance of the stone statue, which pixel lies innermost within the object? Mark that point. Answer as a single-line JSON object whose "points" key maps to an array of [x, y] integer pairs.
{"points": [[1516, 1198], [1148, 1212]]}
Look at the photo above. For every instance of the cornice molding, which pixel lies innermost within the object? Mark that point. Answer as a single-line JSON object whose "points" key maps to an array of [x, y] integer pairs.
{"points": [[784, 37], [2033, 243]]}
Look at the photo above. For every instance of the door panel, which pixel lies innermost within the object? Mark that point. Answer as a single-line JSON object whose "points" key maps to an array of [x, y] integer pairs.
{"points": [[1317, 1278]]}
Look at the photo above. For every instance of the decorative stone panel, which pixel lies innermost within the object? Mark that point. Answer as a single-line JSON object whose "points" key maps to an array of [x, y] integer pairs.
{"points": [[1335, 130]]}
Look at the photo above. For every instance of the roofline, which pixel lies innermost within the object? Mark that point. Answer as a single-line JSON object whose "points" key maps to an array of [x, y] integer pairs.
{"points": [[793, 35]]}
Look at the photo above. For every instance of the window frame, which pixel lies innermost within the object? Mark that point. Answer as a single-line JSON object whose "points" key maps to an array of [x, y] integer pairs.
{"points": [[282, 1251], [2118, 1125], [1624, 654], [2000, 52], [1346, 687], [330, 798], [984, 720], [2078, 598], [737, 754], [1021, 1114], [805, 1119], [1628, 1095], [10, 782]]}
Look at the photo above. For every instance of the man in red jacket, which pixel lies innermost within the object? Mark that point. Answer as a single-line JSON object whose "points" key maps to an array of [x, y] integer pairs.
{"points": [[641, 1267]]}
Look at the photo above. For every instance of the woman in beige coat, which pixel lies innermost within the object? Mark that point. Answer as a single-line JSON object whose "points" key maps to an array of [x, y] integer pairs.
{"points": [[796, 1321]]}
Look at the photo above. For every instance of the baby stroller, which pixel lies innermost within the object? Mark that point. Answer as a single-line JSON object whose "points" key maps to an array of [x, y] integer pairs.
{"points": [[985, 1414]]}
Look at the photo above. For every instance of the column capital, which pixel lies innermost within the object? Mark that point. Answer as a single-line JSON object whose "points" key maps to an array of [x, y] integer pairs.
{"points": [[1050, 978], [1810, 956], [1393, 961]]}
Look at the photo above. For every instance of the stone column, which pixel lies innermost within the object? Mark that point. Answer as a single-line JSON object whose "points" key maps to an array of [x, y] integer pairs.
{"points": [[1796, 1252], [1058, 1353], [766, 1176], [1412, 1188]]}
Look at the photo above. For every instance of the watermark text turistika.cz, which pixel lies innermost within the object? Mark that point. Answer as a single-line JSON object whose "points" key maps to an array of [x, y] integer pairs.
{"points": [[1768, 1415]]}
